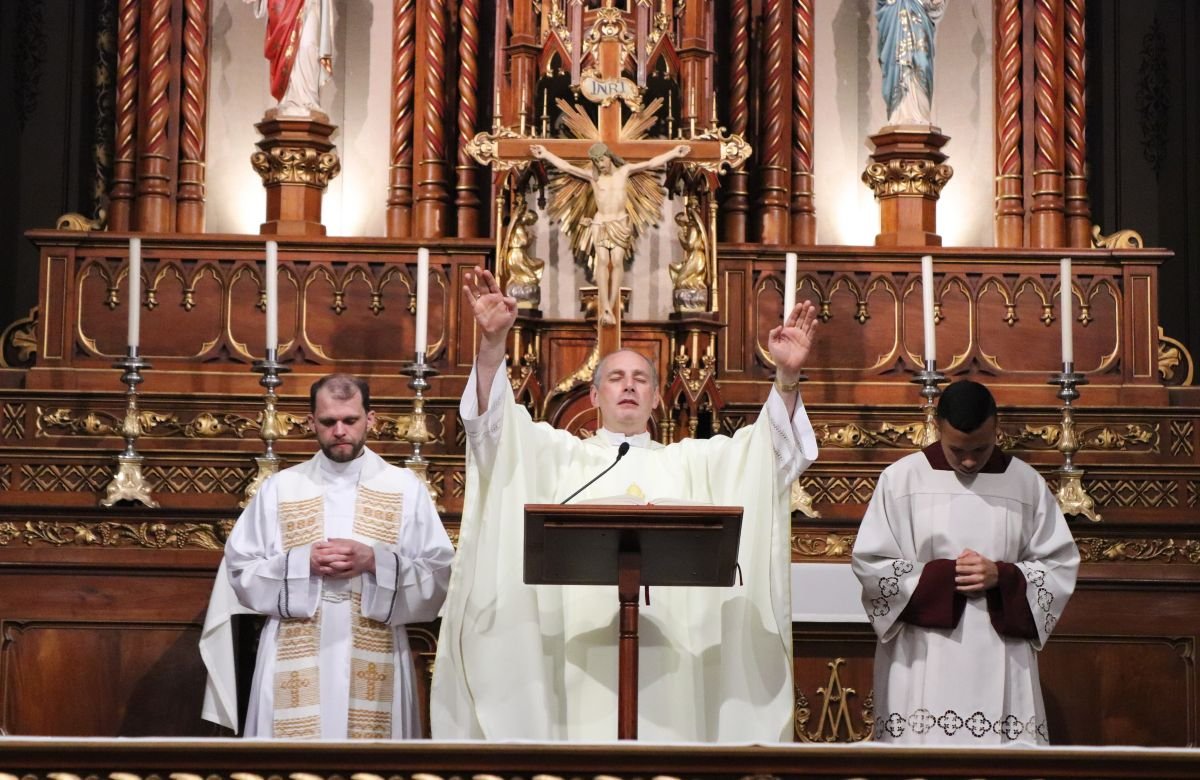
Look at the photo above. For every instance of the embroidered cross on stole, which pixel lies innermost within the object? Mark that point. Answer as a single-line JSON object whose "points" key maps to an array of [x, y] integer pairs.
{"points": [[297, 712]]}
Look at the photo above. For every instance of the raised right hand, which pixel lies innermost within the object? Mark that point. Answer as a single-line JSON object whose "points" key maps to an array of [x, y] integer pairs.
{"points": [[495, 312]]}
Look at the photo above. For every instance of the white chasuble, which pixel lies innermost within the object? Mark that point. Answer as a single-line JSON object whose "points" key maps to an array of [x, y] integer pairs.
{"points": [[517, 661], [953, 669], [333, 659]]}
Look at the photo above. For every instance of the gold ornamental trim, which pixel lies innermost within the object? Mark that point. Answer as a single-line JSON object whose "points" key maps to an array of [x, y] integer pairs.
{"points": [[823, 545], [924, 178], [296, 165], [1095, 549], [152, 536]]}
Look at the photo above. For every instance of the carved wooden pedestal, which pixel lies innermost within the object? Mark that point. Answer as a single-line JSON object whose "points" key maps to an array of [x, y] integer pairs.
{"points": [[296, 160], [907, 174]]}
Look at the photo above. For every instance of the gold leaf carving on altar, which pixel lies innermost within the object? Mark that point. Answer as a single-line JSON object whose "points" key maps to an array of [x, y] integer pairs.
{"points": [[829, 545], [852, 435], [155, 536], [835, 723], [12, 424], [1097, 549], [70, 422], [295, 165], [1172, 354], [1133, 436]]}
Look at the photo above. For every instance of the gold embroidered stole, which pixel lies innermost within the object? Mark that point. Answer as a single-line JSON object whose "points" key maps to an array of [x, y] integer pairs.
{"points": [[297, 713]]}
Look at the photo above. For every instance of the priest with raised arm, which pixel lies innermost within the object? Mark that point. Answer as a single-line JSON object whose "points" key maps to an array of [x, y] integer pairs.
{"points": [[519, 661]]}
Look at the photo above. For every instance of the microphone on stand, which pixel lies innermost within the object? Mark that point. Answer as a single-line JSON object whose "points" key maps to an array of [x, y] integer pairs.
{"points": [[624, 448]]}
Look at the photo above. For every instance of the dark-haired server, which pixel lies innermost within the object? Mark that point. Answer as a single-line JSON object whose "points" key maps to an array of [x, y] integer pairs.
{"points": [[966, 563]]}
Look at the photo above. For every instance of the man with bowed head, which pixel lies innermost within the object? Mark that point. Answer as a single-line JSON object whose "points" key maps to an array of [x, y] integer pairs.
{"points": [[340, 553], [540, 662], [966, 564]]}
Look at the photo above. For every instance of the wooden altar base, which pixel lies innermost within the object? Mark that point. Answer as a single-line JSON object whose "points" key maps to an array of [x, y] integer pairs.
{"points": [[221, 759]]}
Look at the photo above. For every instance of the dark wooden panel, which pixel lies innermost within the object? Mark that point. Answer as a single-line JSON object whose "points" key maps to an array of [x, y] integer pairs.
{"points": [[86, 678]]}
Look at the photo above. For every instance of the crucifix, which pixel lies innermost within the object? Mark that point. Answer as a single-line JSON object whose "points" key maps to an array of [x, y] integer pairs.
{"points": [[607, 156]]}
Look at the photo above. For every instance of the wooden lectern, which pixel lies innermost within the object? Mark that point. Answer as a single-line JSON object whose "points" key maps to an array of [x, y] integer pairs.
{"points": [[630, 546]]}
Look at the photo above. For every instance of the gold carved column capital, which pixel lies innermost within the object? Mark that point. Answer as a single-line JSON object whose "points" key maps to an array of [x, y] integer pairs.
{"points": [[907, 177], [296, 165]]}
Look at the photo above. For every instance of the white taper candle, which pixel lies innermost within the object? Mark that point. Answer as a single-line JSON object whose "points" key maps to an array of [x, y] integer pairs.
{"points": [[1065, 296], [789, 285], [927, 308], [271, 283], [422, 300], [135, 293]]}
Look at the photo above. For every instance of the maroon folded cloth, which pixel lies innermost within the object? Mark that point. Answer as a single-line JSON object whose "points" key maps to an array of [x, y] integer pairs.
{"points": [[935, 603], [1007, 606]]}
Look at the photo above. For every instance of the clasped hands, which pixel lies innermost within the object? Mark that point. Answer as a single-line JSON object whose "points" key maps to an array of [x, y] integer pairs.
{"points": [[974, 574], [341, 559]]}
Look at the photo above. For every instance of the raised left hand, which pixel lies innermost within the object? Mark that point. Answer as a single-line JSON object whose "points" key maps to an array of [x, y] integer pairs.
{"points": [[341, 559], [790, 343]]}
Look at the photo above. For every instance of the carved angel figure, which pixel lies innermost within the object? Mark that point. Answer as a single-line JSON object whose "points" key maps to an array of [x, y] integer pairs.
{"points": [[689, 275], [524, 271]]}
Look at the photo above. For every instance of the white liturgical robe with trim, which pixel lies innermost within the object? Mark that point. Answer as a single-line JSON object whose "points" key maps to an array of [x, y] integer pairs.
{"points": [[408, 586], [520, 661], [967, 684]]}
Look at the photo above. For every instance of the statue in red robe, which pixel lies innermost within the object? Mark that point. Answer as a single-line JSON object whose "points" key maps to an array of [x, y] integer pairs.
{"points": [[299, 47]]}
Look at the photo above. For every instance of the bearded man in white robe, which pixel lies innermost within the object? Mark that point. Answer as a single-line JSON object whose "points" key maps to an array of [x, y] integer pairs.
{"points": [[966, 564], [518, 661], [340, 553]]}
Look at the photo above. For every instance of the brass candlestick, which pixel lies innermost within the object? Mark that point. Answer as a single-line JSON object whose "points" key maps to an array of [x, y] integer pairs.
{"points": [[417, 433], [1073, 499], [127, 483], [268, 462], [929, 379]]}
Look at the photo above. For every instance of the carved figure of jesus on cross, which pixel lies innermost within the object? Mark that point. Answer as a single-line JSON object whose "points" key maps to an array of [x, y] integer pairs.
{"points": [[611, 159]]}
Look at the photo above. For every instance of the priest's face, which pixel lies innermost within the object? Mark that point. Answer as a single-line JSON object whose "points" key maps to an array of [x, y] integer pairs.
{"points": [[341, 425], [968, 452], [626, 392]]}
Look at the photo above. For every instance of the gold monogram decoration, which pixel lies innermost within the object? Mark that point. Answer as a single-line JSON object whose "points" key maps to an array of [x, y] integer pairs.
{"points": [[835, 723]]}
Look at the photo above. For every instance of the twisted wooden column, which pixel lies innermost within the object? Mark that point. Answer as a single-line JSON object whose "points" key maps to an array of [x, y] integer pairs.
{"points": [[1047, 225], [736, 200], [189, 208], [154, 208], [774, 184], [1010, 206], [467, 171], [804, 219], [120, 207], [400, 183], [433, 182], [1078, 208]]}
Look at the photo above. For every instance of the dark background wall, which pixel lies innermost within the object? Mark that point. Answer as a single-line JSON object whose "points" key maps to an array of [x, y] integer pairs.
{"points": [[47, 130], [1143, 134], [1144, 139]]}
